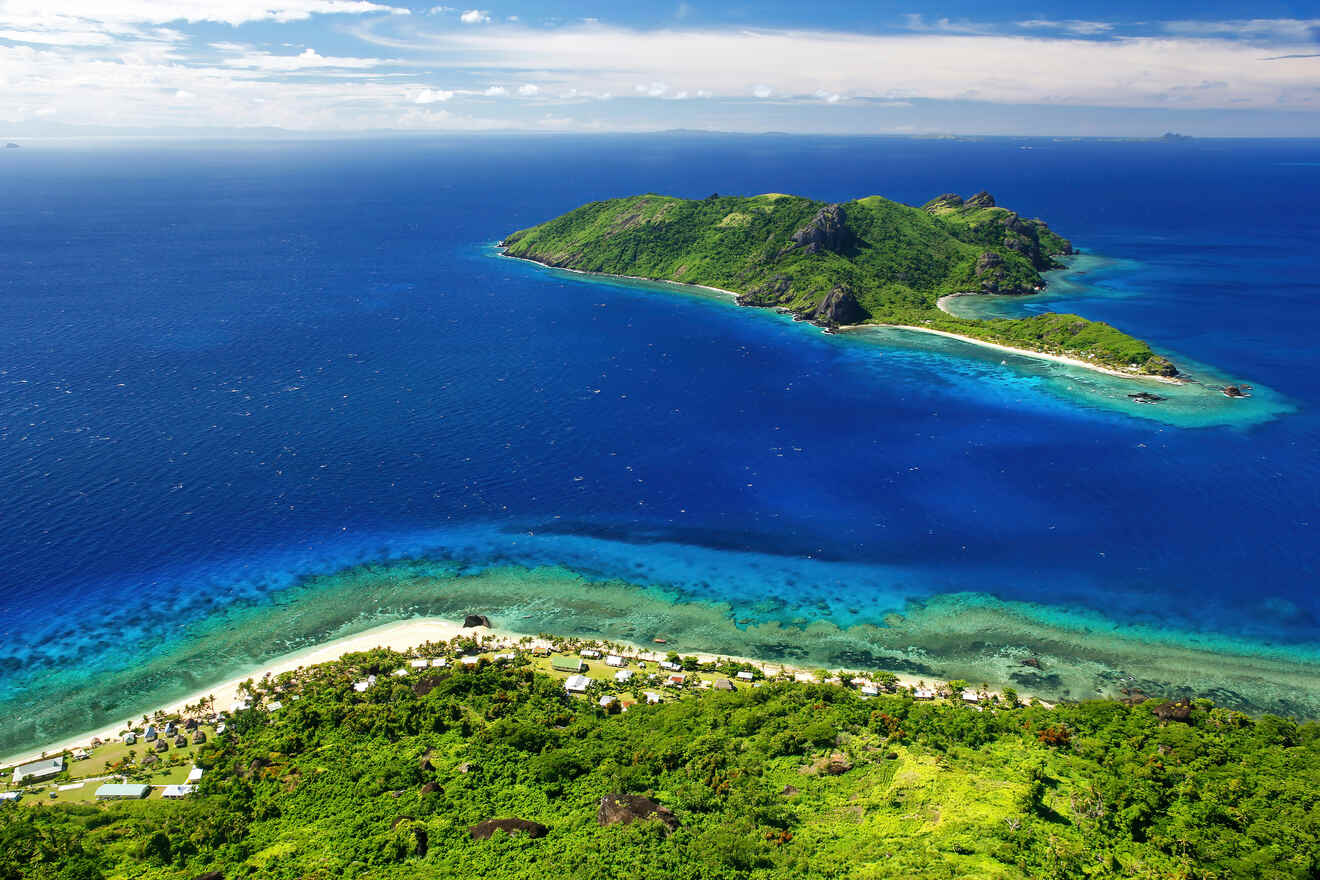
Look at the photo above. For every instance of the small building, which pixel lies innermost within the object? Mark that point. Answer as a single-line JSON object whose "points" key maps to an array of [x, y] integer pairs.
{"points": [[130, 738], [199, 737], [922, 693], [190, 725], [194, 775], [176, 791], [181, 742], [10, 796], [541, 651], [220, 728], [577, 684], [170, 729], [419, 664], [122, 791], [150, 734], [869, 689], [623, 676], [359, 686], [589, 653], [81, 754], [239, 705], [274, 706], [439, 662], [471, 662], [616, 661], [652, 697], [723, 684], [567, 664], [36, 770], [401, 671], [970, 696], [162, 746], [676, 680], [746, 675], [607, 701], [670, 666], [506, 657]]}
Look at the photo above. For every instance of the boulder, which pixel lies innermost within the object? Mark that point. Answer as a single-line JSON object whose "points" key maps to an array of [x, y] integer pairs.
{"points": [[788, 790], [827, 231], [839, 307], [472, 620], [621, 809], [1032, 662], [483, 830], [1170, 711], [430, 788]]}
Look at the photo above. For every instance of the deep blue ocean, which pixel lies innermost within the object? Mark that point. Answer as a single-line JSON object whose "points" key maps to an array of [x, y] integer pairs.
{"points": [[225, 366]]}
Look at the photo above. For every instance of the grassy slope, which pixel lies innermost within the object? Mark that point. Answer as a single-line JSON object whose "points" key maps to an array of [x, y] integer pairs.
{"points": [[332, 786], [901, 260]]}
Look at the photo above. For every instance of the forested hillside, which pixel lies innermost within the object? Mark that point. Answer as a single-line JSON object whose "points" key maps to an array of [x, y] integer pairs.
{"points": [[782, 780]]}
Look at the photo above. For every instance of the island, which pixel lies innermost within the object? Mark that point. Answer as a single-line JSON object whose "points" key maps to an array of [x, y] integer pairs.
{"points": [[871, 261]]}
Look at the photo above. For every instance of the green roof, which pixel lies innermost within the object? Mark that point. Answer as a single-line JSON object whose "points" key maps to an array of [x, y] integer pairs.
{"points": [[566, 664]]}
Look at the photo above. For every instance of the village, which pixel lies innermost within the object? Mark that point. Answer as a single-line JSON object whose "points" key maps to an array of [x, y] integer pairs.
{"points": [[157, 756]]}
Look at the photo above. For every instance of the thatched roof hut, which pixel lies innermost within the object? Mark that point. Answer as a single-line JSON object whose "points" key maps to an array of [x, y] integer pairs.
{"points": [[199, 737]]}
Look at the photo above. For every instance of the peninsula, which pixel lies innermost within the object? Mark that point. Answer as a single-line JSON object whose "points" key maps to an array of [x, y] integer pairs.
{"points": [[871, 261]]}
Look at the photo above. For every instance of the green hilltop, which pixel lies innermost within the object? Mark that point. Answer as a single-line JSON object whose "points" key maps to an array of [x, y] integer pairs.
{"points": [[407, 778], [871, 260]]}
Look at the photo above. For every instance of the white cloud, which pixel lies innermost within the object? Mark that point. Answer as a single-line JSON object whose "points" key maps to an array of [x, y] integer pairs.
{"points": [[828, 97], [1298, 29], [763, 91], [528, 90], [59, 37], [431, 96], [309, 59], [1070, 26], [184, 95], [120, 14], [474, 16], [496, 92]]}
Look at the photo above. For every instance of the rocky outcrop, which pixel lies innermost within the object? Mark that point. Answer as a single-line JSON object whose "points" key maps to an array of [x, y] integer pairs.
{"points": [[621, 809], [982, 199], [948, 200], [1170, 711], [484, 830], [827, 231], [475, 620], [839, 307]]}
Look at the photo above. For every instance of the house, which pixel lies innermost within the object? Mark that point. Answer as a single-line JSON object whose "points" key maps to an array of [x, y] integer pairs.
{"points": [[43, 769], [623, 676], [506, 657], [970, 696], [589, 653], [170, 729], [238, 706], [652, 696], [401, 671], [723, 684], [746, 675], [220, 728], [176, 791], [150, 734], [274, 706], [616, 661], [122, 791], [162, 746], [81, 754], [567, 664], [199, 737], [419, 664], [577, 684], [190, 725], [671, 667], [439, 662], [194, 775], [471, 662], [181, 742], [130, 738], [607, 701], [541, 651], [869, 689], [10, 796], [676, 680], [922, 693]]}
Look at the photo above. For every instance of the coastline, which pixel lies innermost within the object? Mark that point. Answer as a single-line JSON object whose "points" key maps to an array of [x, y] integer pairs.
{"points": [[972, 340], [405, 636]]}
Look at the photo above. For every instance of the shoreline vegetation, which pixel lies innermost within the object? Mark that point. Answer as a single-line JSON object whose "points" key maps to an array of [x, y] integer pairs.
{"points": [[866, 263], [410, 636], [462, 758]]}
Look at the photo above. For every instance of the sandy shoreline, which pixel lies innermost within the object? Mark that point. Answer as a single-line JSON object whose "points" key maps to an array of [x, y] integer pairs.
{"points": [[401, 636], [1022, 352]]}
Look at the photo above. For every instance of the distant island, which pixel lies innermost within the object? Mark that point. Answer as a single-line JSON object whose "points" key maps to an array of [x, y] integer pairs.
{"points": [[11, 146], [871, 261]]}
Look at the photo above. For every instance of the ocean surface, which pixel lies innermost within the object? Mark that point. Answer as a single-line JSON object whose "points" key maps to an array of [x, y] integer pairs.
{"points": [[255, 395]]}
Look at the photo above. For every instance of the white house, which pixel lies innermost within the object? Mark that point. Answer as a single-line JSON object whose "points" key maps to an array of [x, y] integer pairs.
{"points": [[672, 667], [176, 791], [623, 676], [194, 775], [507, 657], [652, 696], [419, 664], [6, 796], [274, 706], [589, 653], [970, 696], [471, 661], [439, 663], [401, 671], [359, 686], [577, 684], [869, 689], [35, 770], [746, 675], [922, 693], [616, 661], [607, 701]]}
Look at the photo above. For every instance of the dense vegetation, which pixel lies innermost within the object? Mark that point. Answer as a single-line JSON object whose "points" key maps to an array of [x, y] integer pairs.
{"points": [[784, 780], [869, 260]]}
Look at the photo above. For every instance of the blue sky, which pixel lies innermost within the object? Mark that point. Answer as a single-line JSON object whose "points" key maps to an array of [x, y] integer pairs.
{"points": [[340, 66]]}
